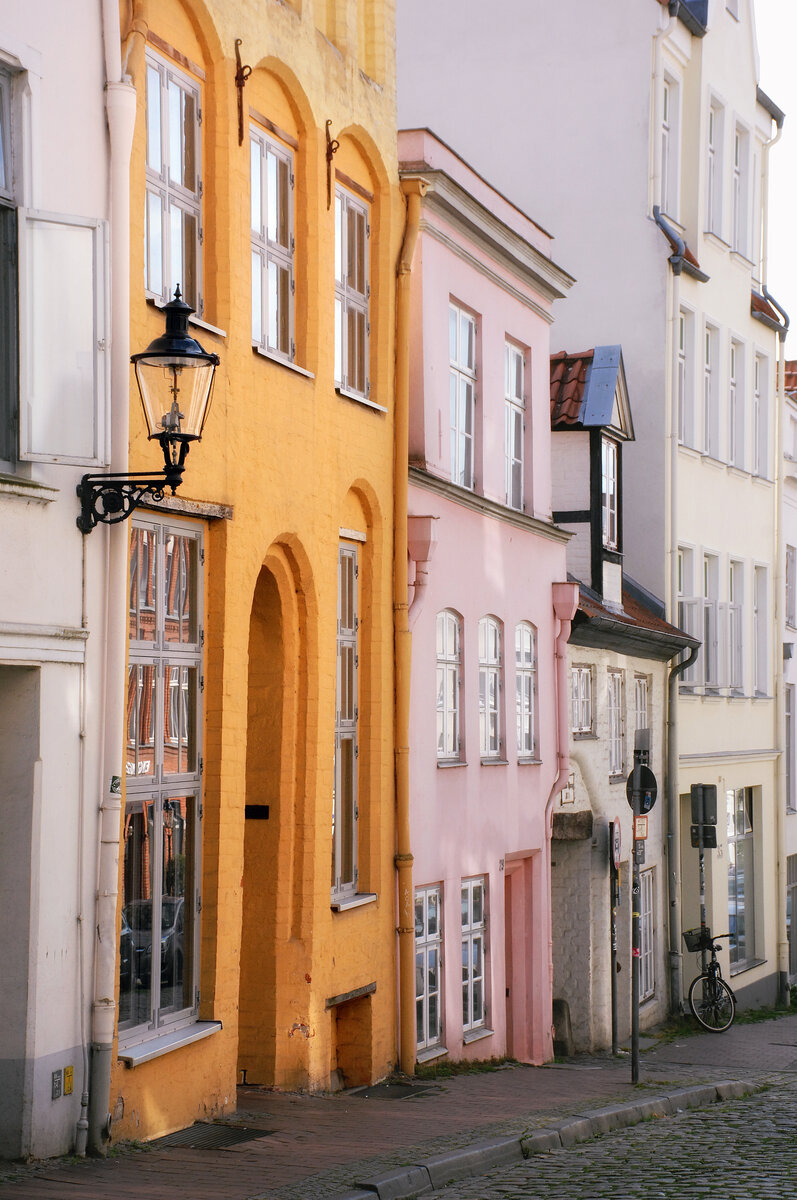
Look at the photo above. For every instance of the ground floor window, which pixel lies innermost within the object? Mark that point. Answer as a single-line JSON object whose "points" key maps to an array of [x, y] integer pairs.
{"points": [[159, 939], [791, 912], [473, 953], [428, 945], [647, 979], [741, 867]]}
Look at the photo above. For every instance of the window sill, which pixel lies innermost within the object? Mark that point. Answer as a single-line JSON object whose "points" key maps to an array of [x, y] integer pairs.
{"points": [[142, 1052], [620, 777], [360, 399], [529, 762], [432, 1052], [737, 471], [762, 480], [356, 901], [585, 735], [282, 362], [446, 764], [494, 762], [476, 1035], [739, 257], [748, 965], [690, 451], [716, 239], [27, 489], [711, 460]]}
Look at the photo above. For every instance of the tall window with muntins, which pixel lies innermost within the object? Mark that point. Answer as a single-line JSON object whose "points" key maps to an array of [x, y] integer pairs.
{"points": [[515, 409], [710, 632], [428, 968], [688, 605], [791, 586], [159, 941], [760, 631], [740, 203], [710, 383], [615, 696], [462, 393], [735, 627], [741, 874], [173, 219], [686, 383], [473, 953], [490, 688], [641, 698], [526, 690], [9, 280], [788, 696], [344, 801], [609, 490], [271, 203], [647, 973], [760, 418], [714, 170], [736, 413], [581, 699], [352, 294], [449, 684], [670, 147]]}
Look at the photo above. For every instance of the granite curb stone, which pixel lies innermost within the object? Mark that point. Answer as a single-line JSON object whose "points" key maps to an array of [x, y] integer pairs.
{"points": [[442, 1169]]}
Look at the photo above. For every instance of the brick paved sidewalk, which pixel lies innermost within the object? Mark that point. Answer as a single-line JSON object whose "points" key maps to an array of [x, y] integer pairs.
{"points": [[314, 1146]]}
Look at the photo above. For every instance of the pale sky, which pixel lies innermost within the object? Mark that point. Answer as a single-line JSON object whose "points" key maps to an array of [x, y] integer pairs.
{"points": [[776, 29]]}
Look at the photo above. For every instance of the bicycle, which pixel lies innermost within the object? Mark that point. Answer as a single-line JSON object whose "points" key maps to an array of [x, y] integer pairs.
{"points": [[712, 1002]]}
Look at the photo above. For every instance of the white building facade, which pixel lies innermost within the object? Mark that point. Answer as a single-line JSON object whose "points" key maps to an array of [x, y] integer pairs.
{"points": [[645, 147], [58, 355]]}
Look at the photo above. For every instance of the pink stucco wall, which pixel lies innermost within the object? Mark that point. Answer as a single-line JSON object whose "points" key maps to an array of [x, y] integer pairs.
{"points": [[476, 819]]}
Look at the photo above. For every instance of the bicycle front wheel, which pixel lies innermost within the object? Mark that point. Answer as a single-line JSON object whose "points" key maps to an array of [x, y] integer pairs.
{"points": [[712, 1003]]}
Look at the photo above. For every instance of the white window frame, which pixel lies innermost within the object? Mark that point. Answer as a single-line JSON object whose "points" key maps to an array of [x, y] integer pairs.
{"points": [[714, 167], [610, 508], [615, 716], [734, 638], [345, 845], [428, 967], [172, 195], [515, 423], [641, 702], [761, 630], [526, 690], [688, 607], [741, 821], [670, 147], [710, 391], [761, 417], [736, 404], [791, 587], [448, 648], [491, 669], [149, 791], [740, 192], [647, 934], [272, 254], [686, 380], [7, 139], [789, 713], [710, 650], [581, 712], [473, 918], [352, 294], [462, 374]]}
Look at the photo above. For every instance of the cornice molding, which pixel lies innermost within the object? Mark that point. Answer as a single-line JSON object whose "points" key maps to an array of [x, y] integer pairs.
{"points": [[488, 508]]}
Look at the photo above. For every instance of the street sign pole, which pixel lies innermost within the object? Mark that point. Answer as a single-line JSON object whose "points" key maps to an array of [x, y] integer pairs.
{"points": [[641, 790], [704, 835], [636, 949], [614, 903]]}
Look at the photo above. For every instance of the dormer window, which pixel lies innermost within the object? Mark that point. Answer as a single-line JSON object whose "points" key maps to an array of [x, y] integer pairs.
{"points": [[609, 507]]}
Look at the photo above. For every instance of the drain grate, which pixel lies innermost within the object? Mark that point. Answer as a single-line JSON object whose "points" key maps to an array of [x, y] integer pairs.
{"points": [[393, 1091], [206, 1136]]}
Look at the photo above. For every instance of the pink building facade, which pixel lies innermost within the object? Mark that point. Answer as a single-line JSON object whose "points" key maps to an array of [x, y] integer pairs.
{"points": [[490, 613]]}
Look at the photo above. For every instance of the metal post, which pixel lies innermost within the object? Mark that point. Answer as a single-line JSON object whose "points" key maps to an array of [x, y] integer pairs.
{"points": [[635, 949], [702, 867], [613, 905]]}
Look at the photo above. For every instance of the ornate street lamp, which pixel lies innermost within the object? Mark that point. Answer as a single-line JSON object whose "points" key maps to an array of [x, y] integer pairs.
{"points": [[175, 379]]}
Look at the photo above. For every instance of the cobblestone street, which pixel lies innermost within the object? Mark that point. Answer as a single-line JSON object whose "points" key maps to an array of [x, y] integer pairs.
{"points": [[741, 1150]]}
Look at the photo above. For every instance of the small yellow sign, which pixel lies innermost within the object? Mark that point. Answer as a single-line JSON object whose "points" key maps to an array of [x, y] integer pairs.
{"points": [[640, 828], [69, 1075]]}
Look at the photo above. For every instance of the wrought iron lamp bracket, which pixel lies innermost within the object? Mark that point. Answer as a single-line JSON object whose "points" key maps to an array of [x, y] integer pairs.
{"points": [[112, 497]]}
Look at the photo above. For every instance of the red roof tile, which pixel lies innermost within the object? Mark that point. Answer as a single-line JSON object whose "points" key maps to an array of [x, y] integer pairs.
{"points": [[568, 377], [633, 613], [760, 305], [791, 376]]}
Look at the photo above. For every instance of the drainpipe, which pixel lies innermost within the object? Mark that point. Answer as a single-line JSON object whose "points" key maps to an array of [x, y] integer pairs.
{"points": [[414, 190], [674, 832], [120, 101], [784, 992], [565, 603], [421, 544]]}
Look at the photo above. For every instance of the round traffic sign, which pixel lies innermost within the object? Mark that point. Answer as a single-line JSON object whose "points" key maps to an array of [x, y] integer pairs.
{"points": [[643, 781]]}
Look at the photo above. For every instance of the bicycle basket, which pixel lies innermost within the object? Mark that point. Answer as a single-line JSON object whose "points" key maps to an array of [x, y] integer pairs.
{"points": [[694, 940]]}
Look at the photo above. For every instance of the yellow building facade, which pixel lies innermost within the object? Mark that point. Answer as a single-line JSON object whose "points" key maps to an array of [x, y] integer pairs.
{"points": [[259, 829]]}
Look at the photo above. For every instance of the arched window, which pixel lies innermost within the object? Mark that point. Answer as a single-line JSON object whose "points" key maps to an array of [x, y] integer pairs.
{"points": [[526, 689], [490, 667], [449, 683]]}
